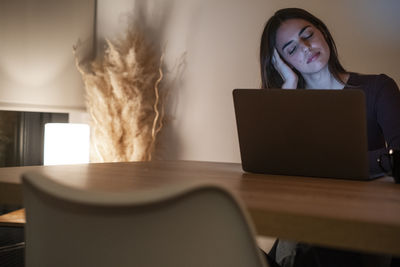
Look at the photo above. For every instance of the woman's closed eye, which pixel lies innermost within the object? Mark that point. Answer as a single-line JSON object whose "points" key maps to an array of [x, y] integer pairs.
{"points": [[306, 36], [309, 35], [292, 50]]}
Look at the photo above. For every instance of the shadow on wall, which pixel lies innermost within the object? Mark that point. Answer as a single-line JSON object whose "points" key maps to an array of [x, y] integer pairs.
{"points": [[152, 17], [169, 145], [155, 17]]}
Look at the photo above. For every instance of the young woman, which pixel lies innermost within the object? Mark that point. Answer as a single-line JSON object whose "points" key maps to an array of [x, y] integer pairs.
{"points": [[298, 52]]}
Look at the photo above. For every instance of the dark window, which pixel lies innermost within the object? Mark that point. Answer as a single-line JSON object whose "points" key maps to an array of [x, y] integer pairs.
{"points": [[22, 136]]}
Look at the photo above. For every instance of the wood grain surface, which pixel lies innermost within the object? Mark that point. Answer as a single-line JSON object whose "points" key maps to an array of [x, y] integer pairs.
{"points": [[349, 214]]}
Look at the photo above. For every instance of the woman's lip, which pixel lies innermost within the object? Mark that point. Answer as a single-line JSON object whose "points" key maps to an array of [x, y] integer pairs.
{"points": [[313, 57]]}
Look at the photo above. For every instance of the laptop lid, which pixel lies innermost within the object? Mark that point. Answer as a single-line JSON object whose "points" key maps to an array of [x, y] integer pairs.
{"points": [[319, 133]]}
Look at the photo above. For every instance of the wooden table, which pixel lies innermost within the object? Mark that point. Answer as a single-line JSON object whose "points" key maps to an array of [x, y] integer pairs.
{"points": [[345, 214], [13, 219]]}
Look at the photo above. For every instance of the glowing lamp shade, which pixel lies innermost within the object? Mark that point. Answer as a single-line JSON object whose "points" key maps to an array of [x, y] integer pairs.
{"points": [[66, 143]]}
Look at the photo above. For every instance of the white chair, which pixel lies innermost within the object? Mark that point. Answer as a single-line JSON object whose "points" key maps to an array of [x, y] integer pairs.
{"points": [[182, 225]]}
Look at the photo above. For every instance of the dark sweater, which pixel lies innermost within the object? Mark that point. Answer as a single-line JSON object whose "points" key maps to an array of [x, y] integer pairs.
{"points": [[383, 114]]}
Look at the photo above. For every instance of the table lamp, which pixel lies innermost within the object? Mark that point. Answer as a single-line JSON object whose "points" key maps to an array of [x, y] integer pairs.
{"points": [[66, 143]]}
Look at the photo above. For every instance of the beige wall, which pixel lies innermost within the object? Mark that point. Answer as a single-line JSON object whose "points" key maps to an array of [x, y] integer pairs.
{"points": [[221, 39], [37, 69]]}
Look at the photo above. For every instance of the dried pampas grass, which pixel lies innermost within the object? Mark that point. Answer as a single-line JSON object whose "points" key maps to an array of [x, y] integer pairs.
{"points": [[124, 99]]}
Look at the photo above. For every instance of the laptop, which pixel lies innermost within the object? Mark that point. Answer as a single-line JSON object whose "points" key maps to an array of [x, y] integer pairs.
{"points": [[318, 133]]}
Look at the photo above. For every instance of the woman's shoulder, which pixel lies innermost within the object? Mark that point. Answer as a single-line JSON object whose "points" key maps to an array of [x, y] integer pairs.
{"points": [[370, 81]]}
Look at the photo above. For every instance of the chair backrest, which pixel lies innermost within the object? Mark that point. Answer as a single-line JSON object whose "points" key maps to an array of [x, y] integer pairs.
{"points": [[180, 225]]}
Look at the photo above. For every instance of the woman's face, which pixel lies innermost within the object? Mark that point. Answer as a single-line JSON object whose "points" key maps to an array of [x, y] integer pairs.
{"points": [[302, 46]]}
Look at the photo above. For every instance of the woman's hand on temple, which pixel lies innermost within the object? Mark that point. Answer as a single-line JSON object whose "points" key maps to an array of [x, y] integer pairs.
{"points": [[289, 77]]}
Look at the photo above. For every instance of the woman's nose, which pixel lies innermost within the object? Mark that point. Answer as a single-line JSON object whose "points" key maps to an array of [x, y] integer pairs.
{"points": [[306, 45]]}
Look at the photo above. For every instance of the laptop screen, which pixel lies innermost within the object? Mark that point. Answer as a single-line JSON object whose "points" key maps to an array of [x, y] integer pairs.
{"points": [[319, 133]]}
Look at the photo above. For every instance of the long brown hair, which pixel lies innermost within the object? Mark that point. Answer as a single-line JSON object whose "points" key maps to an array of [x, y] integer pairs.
{"points": [[270, 78]]}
